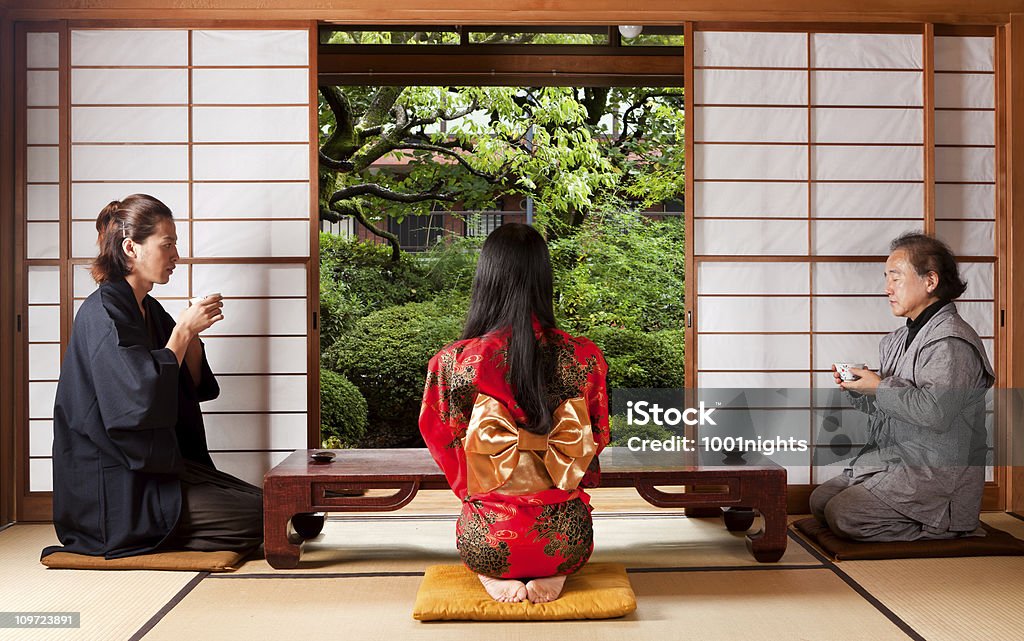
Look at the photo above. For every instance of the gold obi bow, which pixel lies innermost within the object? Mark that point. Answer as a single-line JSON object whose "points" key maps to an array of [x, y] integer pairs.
{"points": [[494, 441]]}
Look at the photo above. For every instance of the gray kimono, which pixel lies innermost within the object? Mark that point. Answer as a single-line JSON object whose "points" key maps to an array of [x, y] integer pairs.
{"points": [[927, 448]]}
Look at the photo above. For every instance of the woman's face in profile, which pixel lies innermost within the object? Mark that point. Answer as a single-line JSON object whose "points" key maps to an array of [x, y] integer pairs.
{"points": [[156, 257]]}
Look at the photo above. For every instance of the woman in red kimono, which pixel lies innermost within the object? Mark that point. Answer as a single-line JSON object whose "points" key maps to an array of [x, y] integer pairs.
{"points": [[515, 414]]}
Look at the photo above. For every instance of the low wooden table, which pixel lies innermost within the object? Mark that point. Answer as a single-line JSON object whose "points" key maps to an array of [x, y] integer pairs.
{"points": [[298, 485]]}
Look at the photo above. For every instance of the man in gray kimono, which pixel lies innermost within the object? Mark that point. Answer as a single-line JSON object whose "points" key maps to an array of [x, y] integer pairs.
{"points": [[922, 472]]}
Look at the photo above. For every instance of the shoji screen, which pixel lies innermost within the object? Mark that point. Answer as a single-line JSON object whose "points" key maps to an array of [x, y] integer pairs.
{"points": [[217, 124], [809, 158], [965, 161], [41, 247]]}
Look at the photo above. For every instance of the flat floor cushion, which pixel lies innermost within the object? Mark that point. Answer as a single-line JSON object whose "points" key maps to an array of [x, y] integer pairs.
{"points": [[453, 593], [996, 543], [183, 560]]}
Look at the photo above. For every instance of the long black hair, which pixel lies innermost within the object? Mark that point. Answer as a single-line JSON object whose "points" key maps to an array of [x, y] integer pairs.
{"points": [[513, 286]]}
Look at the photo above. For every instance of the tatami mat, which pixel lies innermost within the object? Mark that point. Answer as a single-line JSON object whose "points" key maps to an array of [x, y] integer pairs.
{"points": [[113, 605], [723, 606], [693, 580], [959, 599], [410, 544]]}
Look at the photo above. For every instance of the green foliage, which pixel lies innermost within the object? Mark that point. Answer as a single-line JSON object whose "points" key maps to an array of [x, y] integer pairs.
{"points": [[621, 432], [343, 415], [621, 270], [386, 354], [639, 359]]}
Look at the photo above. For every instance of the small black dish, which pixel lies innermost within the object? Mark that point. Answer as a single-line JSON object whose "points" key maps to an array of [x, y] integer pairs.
{"points": [[323, 456]]}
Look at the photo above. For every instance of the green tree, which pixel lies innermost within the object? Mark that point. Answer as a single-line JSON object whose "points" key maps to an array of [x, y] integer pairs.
{"points": [[571, 149]]}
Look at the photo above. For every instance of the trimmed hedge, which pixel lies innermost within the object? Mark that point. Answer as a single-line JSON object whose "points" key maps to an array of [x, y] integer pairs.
{"points": [[386, 356], [638, 359], [343, 412]]}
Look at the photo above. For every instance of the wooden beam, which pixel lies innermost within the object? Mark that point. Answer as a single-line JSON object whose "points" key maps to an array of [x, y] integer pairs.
{"points": [[341, 67], [1014, 304], [7, 269], [471, 12]]}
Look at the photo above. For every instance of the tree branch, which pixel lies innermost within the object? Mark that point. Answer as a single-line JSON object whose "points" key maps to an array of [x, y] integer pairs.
{"points": [[370, 189], [450, 153], [354, 209]]}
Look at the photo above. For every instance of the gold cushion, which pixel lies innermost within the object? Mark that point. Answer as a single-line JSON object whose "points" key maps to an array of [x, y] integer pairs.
{"points": [[182, 560], [453, 593]]}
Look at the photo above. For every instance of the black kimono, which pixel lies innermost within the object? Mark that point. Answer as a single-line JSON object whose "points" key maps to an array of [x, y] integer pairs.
{"points": [[128, 433]]}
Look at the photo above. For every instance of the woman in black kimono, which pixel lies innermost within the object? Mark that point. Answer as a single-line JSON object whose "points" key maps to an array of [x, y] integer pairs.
{"points": [[131, 469]]}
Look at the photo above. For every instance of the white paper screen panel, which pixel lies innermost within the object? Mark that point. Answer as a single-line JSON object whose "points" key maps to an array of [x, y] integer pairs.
{"points": [[42, 202], [129, 163], [751, 237], [965, 128], [40, 438], [959, 53], [275, 238], [129, 124], [964, 91], [129, 86], [866, 51], [752, 162], [269, 316], [257, 355], [858, 237], [894, 126], [968, 238], [750, 86], [250, 124], [868, 163], [250, 86], [43, 126], [849, 278], [752, 278], [129, 48], [965, 201], [259, 394], [850, 348], [250, 162], [753, 314], [42, 50], [250, 279], [750, 49], [41, 88], [874, 200], [254, 200], [867, 88], [854, 314], [743, 199], [229, 48], [753, 124], [43, 164], [257, 431], [737, 352]]}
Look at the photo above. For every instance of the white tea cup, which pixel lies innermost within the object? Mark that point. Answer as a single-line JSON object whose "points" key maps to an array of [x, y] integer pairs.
{"points": [[195, 301], [843, 369]]}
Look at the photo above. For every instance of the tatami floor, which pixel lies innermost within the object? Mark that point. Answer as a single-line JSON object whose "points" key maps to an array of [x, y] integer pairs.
{"points": [[692, 578]]}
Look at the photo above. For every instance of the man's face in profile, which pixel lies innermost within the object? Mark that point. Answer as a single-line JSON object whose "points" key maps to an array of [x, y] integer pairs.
{"points": [[909, 293]]}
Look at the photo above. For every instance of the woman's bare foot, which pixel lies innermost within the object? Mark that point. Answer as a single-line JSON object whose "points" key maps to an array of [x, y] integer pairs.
{"points": [[546, 589], [504, 590]]}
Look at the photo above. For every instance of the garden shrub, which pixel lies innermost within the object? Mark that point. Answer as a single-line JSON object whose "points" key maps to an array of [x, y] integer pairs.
{"points": [[342, 409]]}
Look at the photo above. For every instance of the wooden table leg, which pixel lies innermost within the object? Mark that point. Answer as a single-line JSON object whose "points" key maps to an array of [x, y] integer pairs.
{"points": [[279, 505], [769, 544]]}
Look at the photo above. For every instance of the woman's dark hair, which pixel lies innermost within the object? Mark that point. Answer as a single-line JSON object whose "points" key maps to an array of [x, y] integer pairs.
{"points": [[512, 286], [135, 217], [929, 254]]}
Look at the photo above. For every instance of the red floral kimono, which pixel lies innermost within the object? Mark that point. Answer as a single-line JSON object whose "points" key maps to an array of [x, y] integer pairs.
{"points": [[517, 521]]}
